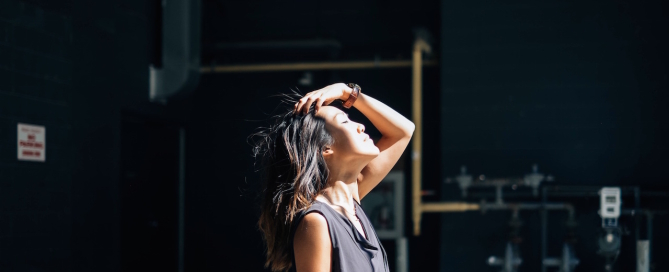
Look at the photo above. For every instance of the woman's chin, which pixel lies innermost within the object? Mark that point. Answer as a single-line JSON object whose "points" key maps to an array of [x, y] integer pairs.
{"points": [[374, 152], [369, 152]]}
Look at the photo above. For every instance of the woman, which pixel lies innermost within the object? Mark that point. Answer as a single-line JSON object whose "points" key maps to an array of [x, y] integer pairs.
{"points": [[318, 165]]}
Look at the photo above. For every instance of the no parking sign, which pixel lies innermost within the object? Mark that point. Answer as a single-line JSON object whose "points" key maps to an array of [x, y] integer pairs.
{"points": [[31, 142]]}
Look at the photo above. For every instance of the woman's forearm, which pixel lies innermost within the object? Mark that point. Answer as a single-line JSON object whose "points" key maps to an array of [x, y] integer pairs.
{"points": [[389, 122]]}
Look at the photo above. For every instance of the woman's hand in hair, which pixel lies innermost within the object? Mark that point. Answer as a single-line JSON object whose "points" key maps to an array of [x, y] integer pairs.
{"points": [[322, 97]]}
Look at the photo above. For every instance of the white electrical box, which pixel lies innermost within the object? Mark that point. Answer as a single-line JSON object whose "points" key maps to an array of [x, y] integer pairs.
{"points": [[609, 206]]}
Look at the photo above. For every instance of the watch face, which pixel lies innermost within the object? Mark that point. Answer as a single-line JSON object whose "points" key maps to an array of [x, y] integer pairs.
{"points": [[354, 86]]}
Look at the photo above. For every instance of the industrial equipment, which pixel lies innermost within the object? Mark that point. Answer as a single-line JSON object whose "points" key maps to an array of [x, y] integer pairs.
{"points": [[609, 207], [567, 262], [511, 260], [610, 240]]}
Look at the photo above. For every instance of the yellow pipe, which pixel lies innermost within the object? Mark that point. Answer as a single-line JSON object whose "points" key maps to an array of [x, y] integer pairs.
{"points": [[419, 46], [450, 207], [270, 67]]}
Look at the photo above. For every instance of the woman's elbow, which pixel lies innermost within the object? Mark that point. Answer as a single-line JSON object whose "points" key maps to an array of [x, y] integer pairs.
{"points": [[411, 127]]}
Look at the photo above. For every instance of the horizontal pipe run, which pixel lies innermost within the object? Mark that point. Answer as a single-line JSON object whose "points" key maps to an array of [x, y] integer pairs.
{"points": [[527, 206], [530, 206], [449, 207], [282, 45], [464, 206], [643, 212], [311, 66]]}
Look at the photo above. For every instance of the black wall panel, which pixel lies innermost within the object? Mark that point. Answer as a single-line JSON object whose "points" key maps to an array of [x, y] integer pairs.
{"points": [[70, 66], [576, 87], [36, 67]]}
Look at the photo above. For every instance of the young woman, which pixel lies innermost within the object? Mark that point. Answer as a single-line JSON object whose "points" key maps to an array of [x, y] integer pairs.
{"points": [[318, 164]]}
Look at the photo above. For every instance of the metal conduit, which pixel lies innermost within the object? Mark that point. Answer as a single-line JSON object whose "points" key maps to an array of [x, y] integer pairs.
{"points": [[464, 206], [274, 67], [419, 47]]}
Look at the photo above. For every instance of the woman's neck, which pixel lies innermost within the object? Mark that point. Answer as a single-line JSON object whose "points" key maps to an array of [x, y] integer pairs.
{"points": [[342, 186], [340, 192]]}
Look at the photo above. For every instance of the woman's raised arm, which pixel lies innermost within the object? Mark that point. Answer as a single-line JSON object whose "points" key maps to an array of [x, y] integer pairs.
{"points": [[396, 131]]}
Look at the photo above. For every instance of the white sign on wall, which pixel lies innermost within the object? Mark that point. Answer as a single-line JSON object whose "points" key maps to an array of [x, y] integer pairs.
{"points": [[31, 142]]}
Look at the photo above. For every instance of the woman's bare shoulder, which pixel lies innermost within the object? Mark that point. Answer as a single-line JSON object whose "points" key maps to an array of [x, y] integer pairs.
{"points": [[312, 225], [312, 245]]}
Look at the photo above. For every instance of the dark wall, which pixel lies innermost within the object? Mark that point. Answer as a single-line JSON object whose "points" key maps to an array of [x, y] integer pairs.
{"points": [[577, 87], [111, 70], [36, 200], [70, 66], [572, 86]]}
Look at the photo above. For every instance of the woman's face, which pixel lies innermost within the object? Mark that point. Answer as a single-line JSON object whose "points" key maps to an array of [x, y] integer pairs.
{"points": [[351, 141]]}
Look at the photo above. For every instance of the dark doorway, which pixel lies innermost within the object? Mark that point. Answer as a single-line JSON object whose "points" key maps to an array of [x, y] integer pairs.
{"points": [[149, 194]]}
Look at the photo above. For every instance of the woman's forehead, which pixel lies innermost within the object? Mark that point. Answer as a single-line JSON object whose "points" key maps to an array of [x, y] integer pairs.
{"points": [[329, 112]]}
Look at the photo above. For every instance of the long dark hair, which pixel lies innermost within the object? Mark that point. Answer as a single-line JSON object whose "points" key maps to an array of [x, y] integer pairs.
{"points": [[294, 172]]}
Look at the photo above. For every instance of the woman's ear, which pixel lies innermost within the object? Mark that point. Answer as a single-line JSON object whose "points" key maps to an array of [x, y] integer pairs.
{"points": [[327, 151]]}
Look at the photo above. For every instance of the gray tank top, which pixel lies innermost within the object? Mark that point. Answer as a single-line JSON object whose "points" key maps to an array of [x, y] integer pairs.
{"points": [[351, 251]]}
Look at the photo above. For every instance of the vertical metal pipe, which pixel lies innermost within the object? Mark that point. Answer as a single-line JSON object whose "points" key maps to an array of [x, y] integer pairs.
{"points": [[544, 226], [642, 256], [498, 194], [636, 214], [417, 98], [649, 230], [402, 261], [182, 198]]}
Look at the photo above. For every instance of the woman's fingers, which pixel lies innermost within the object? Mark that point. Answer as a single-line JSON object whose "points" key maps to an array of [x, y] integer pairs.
{"points": [[301, 102], [307, 105], [320, 97], [319, 103], [302, 105]]}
